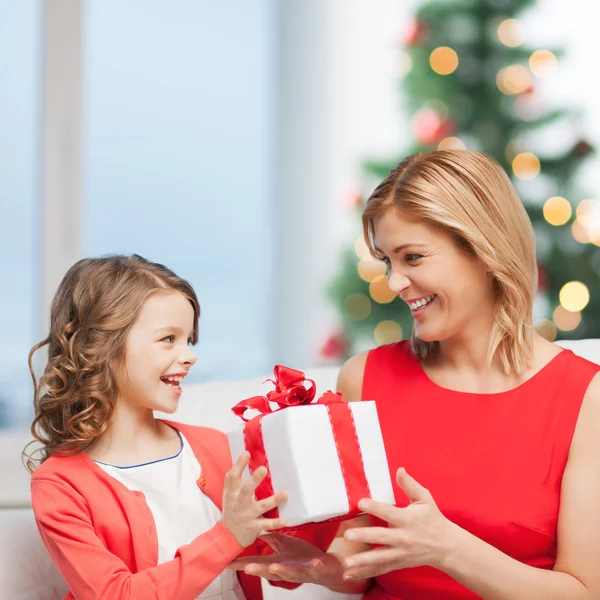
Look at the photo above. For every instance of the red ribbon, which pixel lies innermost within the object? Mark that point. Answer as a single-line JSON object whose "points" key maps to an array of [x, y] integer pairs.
{"points": [[290, 390], [293, 389]]}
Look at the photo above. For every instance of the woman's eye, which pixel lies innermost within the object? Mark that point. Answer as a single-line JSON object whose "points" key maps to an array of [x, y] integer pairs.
{"points": [[412, 257], [169, 339]]}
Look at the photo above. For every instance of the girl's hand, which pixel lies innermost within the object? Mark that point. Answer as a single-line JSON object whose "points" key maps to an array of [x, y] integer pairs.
{"points": [[242, 514], [294, 560], [417, 535]]}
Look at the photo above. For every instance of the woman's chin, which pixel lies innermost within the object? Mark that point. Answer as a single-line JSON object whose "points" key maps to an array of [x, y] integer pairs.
{"points": [[425, 334]]}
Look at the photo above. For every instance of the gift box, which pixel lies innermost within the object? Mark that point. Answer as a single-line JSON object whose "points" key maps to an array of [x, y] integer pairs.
{"points": [[327, 454]]}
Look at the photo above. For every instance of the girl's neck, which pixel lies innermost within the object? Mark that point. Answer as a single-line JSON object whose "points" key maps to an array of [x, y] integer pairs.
{"points": [[134, 436]]}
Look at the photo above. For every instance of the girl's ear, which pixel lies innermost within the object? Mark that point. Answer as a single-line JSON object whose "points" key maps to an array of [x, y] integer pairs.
{"points": [[117, 368]]}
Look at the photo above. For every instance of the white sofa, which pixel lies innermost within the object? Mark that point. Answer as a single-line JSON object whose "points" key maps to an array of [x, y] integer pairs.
{"points": [[26, 571]]}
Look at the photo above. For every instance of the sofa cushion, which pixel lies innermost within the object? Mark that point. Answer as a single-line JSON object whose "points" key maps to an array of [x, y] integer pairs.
{"points": [[26, 570]]}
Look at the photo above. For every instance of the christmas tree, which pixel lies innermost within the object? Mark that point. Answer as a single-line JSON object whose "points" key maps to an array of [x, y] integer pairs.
{"points": [[469, 81]]}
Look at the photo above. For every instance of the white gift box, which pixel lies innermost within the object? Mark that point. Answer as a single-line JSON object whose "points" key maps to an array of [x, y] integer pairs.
{"points": [[303, 460]]}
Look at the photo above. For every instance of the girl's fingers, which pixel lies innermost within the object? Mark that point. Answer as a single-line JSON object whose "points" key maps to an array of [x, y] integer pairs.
{"points": [[249, 486], [240, 464], [270, 524], [233, 477], [269, 503]]}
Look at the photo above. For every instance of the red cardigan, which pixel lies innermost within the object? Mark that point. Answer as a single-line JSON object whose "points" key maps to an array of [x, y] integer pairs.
{"points": [[102, 537]]}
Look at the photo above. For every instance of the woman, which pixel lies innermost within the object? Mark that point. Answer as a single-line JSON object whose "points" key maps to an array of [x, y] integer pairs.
{"points": [[496, 426]]}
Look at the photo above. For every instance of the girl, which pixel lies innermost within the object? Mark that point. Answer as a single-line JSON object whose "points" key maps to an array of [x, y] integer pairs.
{"points": [[128, 506]]}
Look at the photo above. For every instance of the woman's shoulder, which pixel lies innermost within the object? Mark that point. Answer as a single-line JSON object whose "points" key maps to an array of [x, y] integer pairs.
{"points": [[586, 442], [350, 377], [352, 373], [585, 365]]}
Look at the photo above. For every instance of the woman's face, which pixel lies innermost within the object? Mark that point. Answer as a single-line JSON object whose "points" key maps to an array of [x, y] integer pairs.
{"points": [[448, 290]]}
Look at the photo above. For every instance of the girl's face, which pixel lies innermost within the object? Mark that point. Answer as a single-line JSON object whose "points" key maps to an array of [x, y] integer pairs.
{"points": [[157, 353], [448, 290]]}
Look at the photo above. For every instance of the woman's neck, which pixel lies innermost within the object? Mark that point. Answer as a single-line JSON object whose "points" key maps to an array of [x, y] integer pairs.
{"points": [[464, 366]]}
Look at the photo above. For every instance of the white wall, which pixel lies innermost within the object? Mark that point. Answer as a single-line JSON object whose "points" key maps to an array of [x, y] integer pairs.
{"points": [[576, 83], [338, 106]]}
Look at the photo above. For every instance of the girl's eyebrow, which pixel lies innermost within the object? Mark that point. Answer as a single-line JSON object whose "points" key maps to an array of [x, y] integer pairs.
{"points": [[173, 328]]}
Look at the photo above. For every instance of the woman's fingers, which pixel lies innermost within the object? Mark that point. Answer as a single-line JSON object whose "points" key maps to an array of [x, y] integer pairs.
{"points": [[302, 572], [370, 535], [293, 571], [377, 556], [261, 571], [275, 540], [386, 512], [369, 571]]}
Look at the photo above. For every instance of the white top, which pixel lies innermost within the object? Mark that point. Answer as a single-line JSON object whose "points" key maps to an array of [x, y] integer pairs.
{"points": [[181, 511]]}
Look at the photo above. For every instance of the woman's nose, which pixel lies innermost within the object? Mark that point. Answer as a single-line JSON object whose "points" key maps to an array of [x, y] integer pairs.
{"points": [[398, 282]]}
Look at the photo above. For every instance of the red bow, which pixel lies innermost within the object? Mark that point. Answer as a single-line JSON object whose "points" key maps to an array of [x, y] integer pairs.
{"points": [[290, 390]]}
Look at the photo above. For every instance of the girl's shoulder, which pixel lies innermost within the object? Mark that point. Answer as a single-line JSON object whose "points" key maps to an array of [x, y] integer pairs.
{"points": [[60, 482], [197, 434], [61, 467], [205, 441]]}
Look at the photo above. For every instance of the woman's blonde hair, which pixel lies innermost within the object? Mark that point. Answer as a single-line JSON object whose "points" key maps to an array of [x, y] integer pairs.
{"points": [[95, 306], [468, 195]]}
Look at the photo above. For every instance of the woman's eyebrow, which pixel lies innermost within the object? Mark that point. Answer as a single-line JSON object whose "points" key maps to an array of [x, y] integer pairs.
{"points": [[400, 248]]}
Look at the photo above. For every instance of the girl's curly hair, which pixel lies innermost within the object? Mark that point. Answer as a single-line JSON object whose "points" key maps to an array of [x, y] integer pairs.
{"points": [[93, 310]]}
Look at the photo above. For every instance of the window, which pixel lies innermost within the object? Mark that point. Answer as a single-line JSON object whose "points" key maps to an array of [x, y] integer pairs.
{"points": [[178, 158], [20, 42]]}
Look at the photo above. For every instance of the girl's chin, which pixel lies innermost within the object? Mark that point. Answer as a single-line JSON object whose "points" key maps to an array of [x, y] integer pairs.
{"points": [[169, 410]]}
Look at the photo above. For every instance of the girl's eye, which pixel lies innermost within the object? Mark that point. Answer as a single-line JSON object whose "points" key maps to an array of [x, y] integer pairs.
{"points": [[169, 339], [412, 257]]}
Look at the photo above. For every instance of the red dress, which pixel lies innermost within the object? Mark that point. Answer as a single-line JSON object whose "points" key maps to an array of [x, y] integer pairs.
{"points": [[493, 462]]}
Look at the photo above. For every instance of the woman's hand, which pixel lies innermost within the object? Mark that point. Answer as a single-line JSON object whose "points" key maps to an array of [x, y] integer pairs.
{"points": [[242, 514], [293, 560], [417, 535]]}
